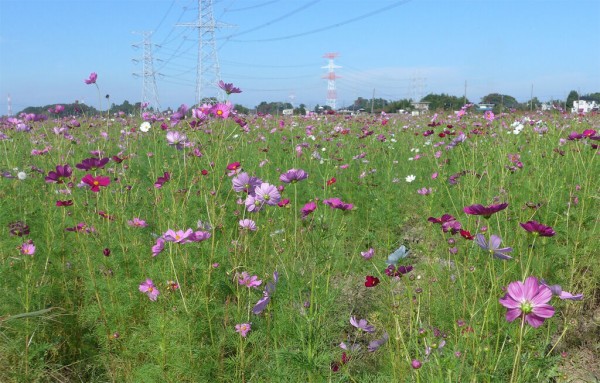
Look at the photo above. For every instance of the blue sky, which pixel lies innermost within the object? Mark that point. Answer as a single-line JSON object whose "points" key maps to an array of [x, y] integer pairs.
{"points": [[274, 49]]}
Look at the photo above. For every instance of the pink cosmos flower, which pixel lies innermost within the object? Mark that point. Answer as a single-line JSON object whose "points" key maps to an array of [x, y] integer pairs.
{"points": [[222, 110], [136, 222], [528, 300], [92, 79], [249, 281], [336, 203], [243, 329], [178, 236], [362, 324], [268, 194], [95, 182], [228, 87], [149, 289], [27, 248]]}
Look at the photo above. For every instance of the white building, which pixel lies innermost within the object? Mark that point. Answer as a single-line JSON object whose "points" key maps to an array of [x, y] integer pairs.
{"points": [[583, 106]]}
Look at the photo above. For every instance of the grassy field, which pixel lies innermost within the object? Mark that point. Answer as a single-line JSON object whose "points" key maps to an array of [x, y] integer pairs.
{"points": [[205, 259]]}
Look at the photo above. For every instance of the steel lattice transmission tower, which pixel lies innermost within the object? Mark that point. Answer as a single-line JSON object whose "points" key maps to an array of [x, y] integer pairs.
{"points": [[149, 90], [207, 68], [331, 77], [9, 105]]}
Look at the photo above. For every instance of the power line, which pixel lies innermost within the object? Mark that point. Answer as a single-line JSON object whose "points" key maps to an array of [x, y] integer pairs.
{"points": [[322, 29]]}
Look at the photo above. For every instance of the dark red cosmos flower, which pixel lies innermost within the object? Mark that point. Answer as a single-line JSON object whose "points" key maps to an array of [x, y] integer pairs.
{"points": [[331, 181], [18, 228], [105, 215], [466, 234], [64, 203], [283, 202], [485, 211], [448, 222], [92, 163], [371, 281], [538, 229], [204, 172]]}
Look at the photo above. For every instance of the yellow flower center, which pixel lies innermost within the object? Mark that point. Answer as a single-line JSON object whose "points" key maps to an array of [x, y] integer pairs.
{"points": [[96, 183]]}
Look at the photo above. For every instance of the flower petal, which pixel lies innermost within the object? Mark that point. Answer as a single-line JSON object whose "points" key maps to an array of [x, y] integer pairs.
{"points": [[516, 291], [513, 314]]}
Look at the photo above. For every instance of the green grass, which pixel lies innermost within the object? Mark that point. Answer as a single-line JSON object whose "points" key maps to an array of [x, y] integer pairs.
{"points": [[69, 313]]}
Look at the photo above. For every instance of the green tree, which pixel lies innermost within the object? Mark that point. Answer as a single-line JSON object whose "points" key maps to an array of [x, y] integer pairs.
{"points": [[501, 101], [300, 110], [573, 96], [444, 101]]}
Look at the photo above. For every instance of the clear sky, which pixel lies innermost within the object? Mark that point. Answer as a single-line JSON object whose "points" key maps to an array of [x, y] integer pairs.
{"points": [[274, 49]]}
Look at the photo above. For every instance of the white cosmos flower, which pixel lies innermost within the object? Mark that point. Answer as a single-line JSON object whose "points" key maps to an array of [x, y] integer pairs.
{"points": [[21, 175], [145, 126], [410, 178]]}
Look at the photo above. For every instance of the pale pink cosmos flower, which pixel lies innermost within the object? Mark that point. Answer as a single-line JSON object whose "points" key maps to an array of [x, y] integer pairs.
{"points": [[248, 224], [243, 329], [158, 247], [136, 222], [149, 289], [268, 194], [178, 236], [368, 254], [27, 248]]}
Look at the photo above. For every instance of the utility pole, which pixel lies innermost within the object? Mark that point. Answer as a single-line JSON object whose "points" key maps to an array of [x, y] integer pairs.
{"points": [[531, 99], [208, 73], [465, 96], [149, 90], [373, 101]]}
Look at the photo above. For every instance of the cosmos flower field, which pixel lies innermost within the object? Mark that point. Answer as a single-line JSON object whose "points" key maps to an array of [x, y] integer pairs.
{"points": [[211, 246]]}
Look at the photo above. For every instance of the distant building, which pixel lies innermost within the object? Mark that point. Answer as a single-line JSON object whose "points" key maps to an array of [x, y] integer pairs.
{"points": [[485, 107], [584, 106], [420, 108]]}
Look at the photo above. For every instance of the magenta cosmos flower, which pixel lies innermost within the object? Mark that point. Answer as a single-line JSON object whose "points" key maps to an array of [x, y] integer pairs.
{"points": [[95, 182], [178, 236], [228, 87], [293, 176], [149, 289], [92, 79], [529, 301], [92, 163], [62, 172], [485, 211], [308, 208], [538, 229]]}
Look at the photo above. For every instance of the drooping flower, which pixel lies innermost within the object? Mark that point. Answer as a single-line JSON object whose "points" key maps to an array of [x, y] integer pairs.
{"points": [[161, 180], [95, 182], [538, 229], [336, 203], [62, 173], [92, 79], [267, 294], [368, 254], [176, 139], [308, 208], [485, 211], [493, 247], [362, 324], [249, 281], [564, 295], [267, 193], [228, 87], [92, 163], [528, 300], [371, 281], [149, 289], [137, 222], [64, 203], [243, 329], [158, 247], [248, 224], [293, 176], [374, 345]]}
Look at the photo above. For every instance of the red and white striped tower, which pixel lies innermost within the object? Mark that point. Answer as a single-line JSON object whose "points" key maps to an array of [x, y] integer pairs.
{"points": [[331, 76]]}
